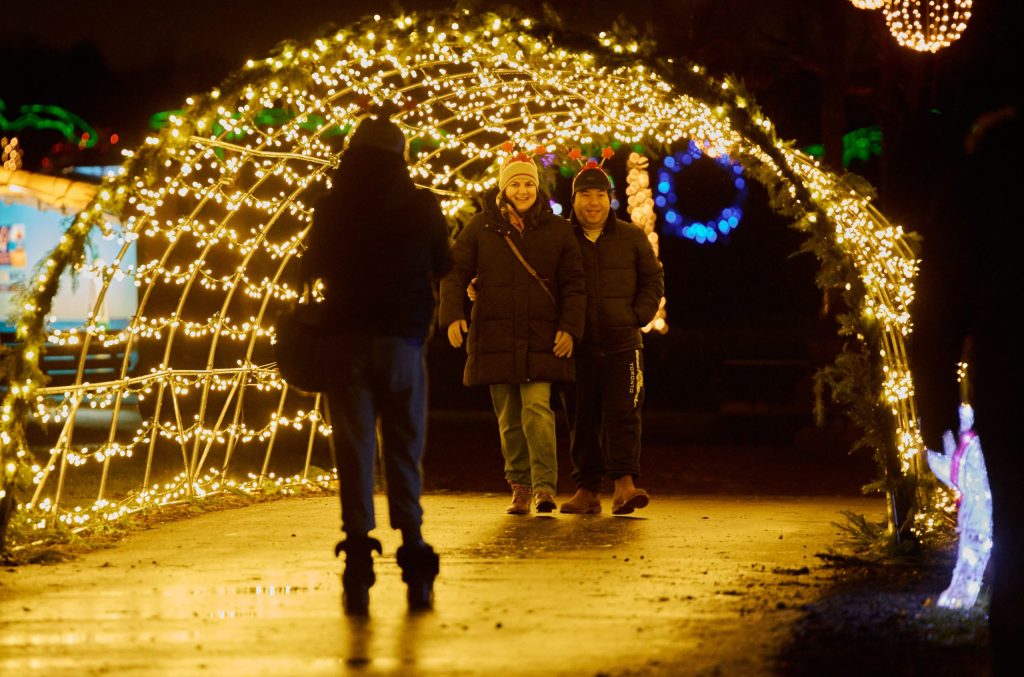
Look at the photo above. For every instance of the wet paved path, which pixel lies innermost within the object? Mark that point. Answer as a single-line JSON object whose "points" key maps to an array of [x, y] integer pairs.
{"points": [[690, 585]]}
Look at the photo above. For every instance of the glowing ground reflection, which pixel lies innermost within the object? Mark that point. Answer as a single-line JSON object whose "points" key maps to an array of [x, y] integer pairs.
{"points": [[701, 583]]}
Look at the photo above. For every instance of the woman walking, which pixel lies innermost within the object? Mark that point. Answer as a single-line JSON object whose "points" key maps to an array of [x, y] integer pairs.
{"points": [[528, 313]]}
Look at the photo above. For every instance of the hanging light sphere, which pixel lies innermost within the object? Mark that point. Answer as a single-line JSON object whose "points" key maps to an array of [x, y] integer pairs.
{"points": [[927, 25], [868, 4]]}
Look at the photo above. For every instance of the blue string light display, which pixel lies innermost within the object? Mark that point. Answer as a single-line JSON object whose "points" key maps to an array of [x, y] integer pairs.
{"points": [[679, 224]]}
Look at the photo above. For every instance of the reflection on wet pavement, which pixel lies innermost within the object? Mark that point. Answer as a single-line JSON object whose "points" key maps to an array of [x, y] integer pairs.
{"points": [[547, 535], [688, 585]]}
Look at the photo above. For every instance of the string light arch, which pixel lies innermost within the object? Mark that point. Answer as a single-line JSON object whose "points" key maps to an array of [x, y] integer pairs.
{"points": [[219, 206]]}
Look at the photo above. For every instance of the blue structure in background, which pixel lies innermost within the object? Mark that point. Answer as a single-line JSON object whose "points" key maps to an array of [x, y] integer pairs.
{"points": [[675, 221], [28, 232], [31, 224]]}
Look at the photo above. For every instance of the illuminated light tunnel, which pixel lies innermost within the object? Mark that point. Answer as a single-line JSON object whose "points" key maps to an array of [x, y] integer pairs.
{"points": [[218, 207]]}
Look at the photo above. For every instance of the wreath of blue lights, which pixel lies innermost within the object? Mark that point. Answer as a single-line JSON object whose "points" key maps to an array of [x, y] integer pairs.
{"points": [[681, 225]]}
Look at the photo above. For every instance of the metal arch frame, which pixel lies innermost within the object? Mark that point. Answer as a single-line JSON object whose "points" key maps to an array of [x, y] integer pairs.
{"points": [[540, 79]]}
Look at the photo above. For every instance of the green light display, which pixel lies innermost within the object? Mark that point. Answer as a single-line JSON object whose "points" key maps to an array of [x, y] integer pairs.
{"points": [[860, 144], [55, 118]]}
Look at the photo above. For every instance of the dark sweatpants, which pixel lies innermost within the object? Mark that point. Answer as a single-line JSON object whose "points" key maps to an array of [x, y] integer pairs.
{"points": [[606, 421]]}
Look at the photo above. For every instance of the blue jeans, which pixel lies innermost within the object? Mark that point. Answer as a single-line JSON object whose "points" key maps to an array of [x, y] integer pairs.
{"points": [[527, 427], [378, 376]]}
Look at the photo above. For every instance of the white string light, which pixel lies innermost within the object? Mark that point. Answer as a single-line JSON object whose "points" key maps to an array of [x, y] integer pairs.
{"points": [[222, 204], [927, 25], [868, 4], [640, 206]]}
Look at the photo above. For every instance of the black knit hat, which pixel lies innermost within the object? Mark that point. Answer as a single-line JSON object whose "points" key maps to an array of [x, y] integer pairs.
{"points": [[589, 178], [380, 133]]}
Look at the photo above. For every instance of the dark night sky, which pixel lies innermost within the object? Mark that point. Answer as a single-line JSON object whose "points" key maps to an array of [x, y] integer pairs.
{"points": [[145, 57], [116, 63], [134, 36]]}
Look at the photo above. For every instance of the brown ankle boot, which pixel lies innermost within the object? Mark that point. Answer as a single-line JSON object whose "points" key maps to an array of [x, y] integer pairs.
{"points": [[582, 503], [543, 501], [520, 504], [628, 501]]}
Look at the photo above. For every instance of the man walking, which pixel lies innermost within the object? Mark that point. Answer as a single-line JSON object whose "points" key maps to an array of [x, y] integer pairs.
{"points": [[625, 283]]}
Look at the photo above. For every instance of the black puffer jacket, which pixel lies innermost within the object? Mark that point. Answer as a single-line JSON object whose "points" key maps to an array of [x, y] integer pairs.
{"points": [[381, 245], [625, 283], [513, 323]]}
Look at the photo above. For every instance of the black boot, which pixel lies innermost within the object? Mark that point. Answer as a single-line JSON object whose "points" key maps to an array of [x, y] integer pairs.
{"points": [[358, 577], [420, 566]]}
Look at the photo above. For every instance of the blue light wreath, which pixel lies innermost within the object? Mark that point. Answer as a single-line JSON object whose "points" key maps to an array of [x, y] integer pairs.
{"points": [[679, 224]]}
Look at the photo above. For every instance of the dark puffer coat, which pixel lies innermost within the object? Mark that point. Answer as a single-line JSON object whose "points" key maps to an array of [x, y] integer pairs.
{"points": [[625, 283], [381, 245], [513, 322]]}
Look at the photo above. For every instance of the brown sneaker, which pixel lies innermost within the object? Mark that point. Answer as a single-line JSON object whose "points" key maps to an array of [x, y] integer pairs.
{"points": [[520, 504], [544, 501], [582, 503]]}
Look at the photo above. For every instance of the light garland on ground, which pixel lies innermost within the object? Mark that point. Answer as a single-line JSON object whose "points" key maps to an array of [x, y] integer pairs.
{"points": [[222, 200]]}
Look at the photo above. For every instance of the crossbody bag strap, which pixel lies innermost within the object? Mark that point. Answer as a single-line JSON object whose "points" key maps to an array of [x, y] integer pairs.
{"points": [[529, 268]]}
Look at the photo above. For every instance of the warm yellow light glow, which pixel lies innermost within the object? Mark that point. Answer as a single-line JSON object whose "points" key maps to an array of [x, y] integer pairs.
{"points": [[927, 25], [640, 206], [868, 4], [221, 204], [10, 154]]}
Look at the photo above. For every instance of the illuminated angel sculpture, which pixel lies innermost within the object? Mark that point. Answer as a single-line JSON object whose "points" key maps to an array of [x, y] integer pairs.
{"points": [[962, 468]]}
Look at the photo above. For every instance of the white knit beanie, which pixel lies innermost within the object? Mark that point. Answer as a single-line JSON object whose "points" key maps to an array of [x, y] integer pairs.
{"points": [[517, 165]]}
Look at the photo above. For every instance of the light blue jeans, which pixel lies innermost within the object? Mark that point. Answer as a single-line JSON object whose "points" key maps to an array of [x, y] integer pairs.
{"points": [[527, 427]]}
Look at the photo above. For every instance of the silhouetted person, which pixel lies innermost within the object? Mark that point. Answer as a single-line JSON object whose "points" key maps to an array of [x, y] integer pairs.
{"points": [[380, 245]]}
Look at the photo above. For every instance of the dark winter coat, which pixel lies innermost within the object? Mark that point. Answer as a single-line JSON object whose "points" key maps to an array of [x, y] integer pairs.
{"points": [[625, 283], [380, 245], [513, 322]]}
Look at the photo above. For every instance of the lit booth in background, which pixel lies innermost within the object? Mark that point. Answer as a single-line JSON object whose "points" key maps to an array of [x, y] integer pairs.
{"points": [[35, 211]]}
